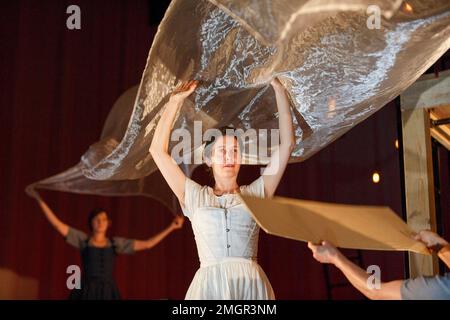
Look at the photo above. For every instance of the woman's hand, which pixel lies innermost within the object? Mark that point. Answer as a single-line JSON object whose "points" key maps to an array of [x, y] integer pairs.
{"points": [[32, 193], [184, 90], [177, 222], [276, 84]]}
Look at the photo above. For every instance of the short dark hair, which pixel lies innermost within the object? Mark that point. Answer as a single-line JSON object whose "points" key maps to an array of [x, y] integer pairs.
{"points": [[92, 214], [224, 131]]}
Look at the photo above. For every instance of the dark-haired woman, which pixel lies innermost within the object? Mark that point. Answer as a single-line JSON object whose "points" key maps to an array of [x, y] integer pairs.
{"points": [[225, 232], [98, 251]]}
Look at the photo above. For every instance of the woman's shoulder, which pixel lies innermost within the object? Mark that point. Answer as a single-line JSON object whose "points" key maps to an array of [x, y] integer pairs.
{"points": [[256, 188], [192, 186], [196, 195]]}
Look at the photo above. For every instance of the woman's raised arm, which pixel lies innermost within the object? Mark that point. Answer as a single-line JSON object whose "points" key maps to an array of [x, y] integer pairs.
{"points": [[279, 159], [160, 144]]}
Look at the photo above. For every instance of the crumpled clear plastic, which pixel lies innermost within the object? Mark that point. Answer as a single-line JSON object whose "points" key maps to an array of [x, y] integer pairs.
{"points": [[337, 69]]}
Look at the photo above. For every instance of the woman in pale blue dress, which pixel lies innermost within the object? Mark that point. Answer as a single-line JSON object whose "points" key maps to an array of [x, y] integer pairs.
{"points": [[225, 233]]}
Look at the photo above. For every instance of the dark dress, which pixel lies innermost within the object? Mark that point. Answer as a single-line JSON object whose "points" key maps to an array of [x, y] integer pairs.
{"points": [[97, 281]]}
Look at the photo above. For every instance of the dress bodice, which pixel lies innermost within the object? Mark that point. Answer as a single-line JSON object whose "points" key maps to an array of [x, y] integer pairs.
{"points": [[222, 225]]}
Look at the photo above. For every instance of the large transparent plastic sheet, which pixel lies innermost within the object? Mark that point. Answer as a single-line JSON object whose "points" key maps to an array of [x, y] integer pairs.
{"points": [[73, 180], [338, 69]]}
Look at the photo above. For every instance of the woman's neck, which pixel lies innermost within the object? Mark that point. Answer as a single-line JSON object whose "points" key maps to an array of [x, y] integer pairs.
{"points": [[99, 237], [225, 186]]}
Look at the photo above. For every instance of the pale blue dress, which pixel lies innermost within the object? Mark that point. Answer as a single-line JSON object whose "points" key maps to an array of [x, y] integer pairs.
{"points": [[227, 243]]}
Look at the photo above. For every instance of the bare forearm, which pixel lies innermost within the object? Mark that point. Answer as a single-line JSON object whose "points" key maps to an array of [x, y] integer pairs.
{"points": [[284, 118], [153, 241], [280, 157], [357, 276], [161, 137], [61, 227], [159, 150]]}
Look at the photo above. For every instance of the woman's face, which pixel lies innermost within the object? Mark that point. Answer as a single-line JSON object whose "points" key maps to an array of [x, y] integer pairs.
{"points": [[225, 157], [100, 223]]}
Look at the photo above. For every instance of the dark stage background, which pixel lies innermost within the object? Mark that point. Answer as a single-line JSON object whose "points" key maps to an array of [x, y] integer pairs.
{"points": [[57, 87]]}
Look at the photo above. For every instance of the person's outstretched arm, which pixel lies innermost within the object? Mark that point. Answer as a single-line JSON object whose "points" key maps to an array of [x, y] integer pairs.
{"points": [[327, 253], [159, 148], [435, 243], [60, 226], [279, 158], [139, 245]]}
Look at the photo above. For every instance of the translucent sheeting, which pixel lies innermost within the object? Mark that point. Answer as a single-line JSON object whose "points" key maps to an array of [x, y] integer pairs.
{"points": [[73, 180], [337, 71]]}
